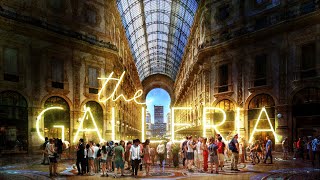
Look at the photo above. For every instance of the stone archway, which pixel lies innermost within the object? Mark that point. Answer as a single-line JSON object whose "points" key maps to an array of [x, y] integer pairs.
{"points": [[158, 81]]}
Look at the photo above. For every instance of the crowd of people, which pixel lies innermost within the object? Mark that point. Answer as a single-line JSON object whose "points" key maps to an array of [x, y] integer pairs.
{"points": [[305, 148], [201, 154]]}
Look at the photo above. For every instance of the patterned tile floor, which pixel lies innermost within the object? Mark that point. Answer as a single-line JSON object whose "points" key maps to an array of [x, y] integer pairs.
{"points": [[30, 168]]}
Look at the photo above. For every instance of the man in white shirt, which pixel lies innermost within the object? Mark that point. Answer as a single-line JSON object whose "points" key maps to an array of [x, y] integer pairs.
{"points": [[199, 155], [169, 153], [190, 153], [91, 157], [161, 151], [135, 153], [96, 149]]}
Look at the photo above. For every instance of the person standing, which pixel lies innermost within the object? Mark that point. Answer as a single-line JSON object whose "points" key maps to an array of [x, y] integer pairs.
{"points": [[234, 148], [45, 160], [285, 148], [268, 149], [127, 152], [152, 154], [199, 155], [80, 157], [118, 159], [110, 156], [190, 153], [91, 158], [253, 152], [160, 152], [104, 155], [184, 150], [97, 156], [204, 148], [213, 155], [135, 154], [146, 156], [315, 145], [169, 153], [141, 161], [221, 148], [52, 154]]}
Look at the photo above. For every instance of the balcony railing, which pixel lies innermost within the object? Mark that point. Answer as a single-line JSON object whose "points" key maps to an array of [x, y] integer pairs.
{"points": [[260, 82], [223, 88], [303, 74]]}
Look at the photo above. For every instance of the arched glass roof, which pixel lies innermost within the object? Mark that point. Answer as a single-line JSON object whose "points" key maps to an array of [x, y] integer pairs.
{"points": [[157, 31]]}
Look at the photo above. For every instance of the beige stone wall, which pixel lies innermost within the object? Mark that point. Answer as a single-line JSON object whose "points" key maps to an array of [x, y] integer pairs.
{"points": [[83, 34], [235, 40]]}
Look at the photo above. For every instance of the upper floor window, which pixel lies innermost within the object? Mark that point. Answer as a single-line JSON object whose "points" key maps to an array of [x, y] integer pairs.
{"points": [[266, 3], [11, 71], [308, 64], [91, 16], [93, 80], [223, 78], [223, 12], [260, 70], [55, 4], [57, 73]]}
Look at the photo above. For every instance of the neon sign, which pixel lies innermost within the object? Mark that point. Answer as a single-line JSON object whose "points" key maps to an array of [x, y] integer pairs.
{"points": [[62, 131], [112, 95], [205, 126], [39, 118], [263, 110], [204, 121], [87, 113], [172, 119]]}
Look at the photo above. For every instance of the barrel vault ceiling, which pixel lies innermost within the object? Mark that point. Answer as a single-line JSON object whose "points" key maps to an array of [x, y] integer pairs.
{"points": [[157, 31]]}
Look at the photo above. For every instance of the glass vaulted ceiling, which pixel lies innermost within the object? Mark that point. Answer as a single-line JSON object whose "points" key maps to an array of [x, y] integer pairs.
{"points": [[157, 31]]}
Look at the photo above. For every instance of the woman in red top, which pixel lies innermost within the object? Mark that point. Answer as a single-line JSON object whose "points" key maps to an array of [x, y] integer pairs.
{"points": [[221, 147], [204, 147]]}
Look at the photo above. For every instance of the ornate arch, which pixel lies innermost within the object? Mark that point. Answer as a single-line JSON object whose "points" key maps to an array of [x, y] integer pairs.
{"points": [[218, 100], [249, 98], [45, 98], [158, 81], [101, 104], [21, 93]]}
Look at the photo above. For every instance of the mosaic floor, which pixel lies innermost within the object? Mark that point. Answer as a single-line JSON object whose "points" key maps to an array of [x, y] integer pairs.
{"points": [[281, 169]]}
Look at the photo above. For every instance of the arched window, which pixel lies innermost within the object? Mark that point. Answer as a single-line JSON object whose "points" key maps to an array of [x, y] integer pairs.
{"points": [[255, 106], [229, 108], [305, 111], [13, 121], [57, 117]]}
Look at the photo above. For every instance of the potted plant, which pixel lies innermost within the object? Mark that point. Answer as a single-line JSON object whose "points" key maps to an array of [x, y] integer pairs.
{"points": [[175, 154]]}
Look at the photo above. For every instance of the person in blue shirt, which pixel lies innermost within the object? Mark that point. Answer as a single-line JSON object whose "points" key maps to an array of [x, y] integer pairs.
{"points": [[268, 149]]}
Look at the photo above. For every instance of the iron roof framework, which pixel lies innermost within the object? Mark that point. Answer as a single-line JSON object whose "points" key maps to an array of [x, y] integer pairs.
{"points": [[158, 32]]}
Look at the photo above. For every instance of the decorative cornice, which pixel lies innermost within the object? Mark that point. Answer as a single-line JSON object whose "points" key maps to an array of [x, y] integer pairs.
{"points": [[54, 28]]}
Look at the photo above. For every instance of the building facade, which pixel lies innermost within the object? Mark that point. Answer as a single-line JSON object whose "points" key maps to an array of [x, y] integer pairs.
{"points": [[158, 114], [52, 54], [148, 125], [159, 130], [250, 55]]}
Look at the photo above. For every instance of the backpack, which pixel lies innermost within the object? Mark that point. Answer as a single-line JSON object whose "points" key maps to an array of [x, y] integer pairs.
{"points": [[110, 151], [99, 153], [232, 146], [212, 150], [43, 146]]}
